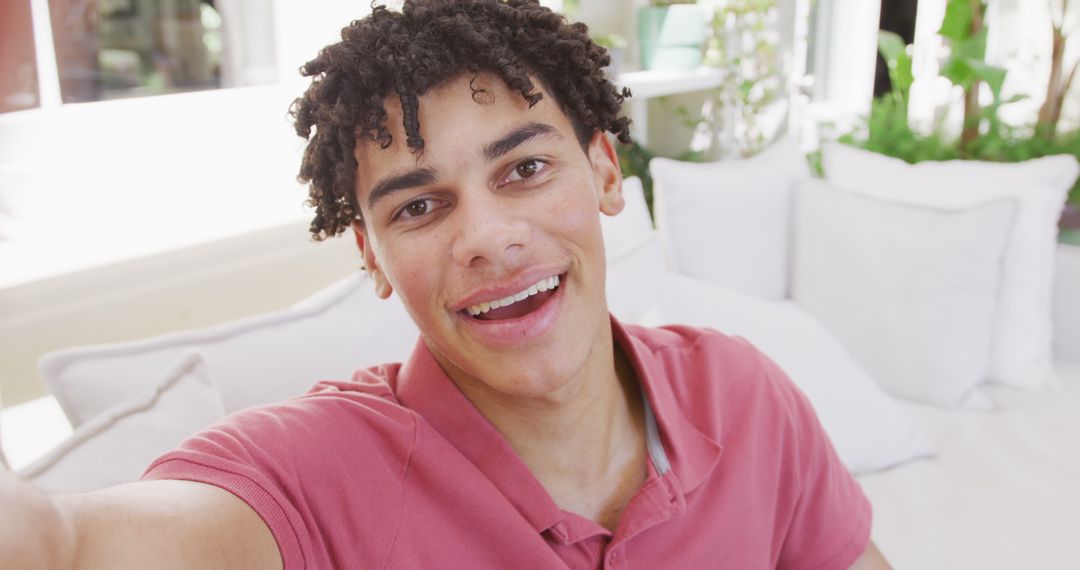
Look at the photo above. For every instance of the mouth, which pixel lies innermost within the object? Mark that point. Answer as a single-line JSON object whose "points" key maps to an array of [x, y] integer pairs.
{"points": [[516, 305]]}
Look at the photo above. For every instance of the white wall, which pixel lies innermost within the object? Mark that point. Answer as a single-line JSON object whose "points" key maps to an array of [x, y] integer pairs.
{"points": [[97, 183], [303, 28], [91, 184]]}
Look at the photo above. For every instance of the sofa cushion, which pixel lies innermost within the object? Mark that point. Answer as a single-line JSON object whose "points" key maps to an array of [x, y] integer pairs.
{"points": [[118, 444], [632, 226], [1021, 353], [910, 291], [1067, 303], [727, 223], [256, 360]]}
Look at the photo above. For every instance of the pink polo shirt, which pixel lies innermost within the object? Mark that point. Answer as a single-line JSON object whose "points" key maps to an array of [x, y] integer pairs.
{"points": [[396, 469]]}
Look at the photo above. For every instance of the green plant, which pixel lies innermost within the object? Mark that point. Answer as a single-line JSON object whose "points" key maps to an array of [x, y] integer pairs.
{"points": [[984, 137], [744, 46], [894, 52], [887, 130], [570, 9], [966, 32], [634, 161], [610, 41]]}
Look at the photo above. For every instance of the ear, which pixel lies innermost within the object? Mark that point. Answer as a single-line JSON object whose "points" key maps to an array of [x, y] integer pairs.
{"points": [[607, 173], [382, 285]]}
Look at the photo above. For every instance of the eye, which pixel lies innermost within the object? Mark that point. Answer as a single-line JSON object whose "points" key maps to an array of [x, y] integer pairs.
{"points": [[526, 169], [416, 208]]}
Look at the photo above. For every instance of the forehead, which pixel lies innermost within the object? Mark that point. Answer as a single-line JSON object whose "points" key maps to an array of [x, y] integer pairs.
{"points": [[456, 120]]}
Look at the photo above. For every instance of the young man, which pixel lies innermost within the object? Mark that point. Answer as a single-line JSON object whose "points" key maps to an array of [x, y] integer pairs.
{"points": [[464, 144]]}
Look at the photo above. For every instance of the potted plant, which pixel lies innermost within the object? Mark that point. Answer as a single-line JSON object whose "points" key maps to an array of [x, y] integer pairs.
{"points": [[672, 33], [984, 136], [744, 44]]}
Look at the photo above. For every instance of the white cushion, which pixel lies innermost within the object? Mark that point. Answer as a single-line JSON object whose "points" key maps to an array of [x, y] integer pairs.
{"points": [[1022, 353], [626, 230], [1067, 303], [910, 291], [117, 445], [866, 426], [726, 223], [256, 360]]}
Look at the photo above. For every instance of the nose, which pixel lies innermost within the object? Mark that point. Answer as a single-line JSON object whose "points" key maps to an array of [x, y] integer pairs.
{"points": [[489, 230]]}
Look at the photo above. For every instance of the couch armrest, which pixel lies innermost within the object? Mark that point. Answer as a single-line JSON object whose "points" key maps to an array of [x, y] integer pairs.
{"points": [[1067, 303]]}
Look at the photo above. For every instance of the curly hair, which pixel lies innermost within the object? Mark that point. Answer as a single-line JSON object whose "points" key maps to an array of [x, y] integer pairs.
{"points": [[428, 43]]}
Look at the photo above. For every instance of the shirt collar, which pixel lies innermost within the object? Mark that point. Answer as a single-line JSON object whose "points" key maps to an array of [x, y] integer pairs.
{"points": [[425, 388], [691, 453]]}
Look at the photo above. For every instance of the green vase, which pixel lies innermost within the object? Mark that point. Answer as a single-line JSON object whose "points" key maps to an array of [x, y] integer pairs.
{"points": [[671, 36]]}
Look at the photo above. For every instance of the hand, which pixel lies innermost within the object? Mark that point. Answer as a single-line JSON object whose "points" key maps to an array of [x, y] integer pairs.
{"points": [[34, 533]]}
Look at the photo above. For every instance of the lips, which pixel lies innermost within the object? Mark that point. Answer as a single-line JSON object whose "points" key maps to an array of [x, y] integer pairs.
{"points": [[527, 315], [516, 304], [518, 309]]}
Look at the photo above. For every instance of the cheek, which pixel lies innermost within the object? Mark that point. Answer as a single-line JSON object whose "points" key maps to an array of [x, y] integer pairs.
{"points": [[406, 272], [577, 214], [409, 273]]}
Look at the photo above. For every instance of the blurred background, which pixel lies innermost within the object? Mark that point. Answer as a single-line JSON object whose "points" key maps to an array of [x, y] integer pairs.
{"points": [[148, 187], [145, 145]]}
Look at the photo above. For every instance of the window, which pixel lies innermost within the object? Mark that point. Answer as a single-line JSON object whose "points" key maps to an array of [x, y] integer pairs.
{"points": [[108, 49], [18, 64]]}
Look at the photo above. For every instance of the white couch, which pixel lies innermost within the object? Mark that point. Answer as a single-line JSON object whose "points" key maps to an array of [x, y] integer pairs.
{"points": [[929, 469]]}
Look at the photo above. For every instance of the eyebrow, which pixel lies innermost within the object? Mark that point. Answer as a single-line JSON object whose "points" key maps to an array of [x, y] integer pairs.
{"points": [[518, 137], [410, 179], [492, 151]]}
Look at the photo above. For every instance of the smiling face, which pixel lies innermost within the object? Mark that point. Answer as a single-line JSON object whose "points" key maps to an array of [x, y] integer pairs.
{"points": [[492, 236]]}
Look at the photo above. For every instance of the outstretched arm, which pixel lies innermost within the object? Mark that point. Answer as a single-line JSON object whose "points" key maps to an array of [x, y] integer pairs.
{"points": [[152, 524]]}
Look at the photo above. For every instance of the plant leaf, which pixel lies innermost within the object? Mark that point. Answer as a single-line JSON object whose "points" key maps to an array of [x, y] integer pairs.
{"points": [[957, 22], [970, 47], [959, 71], [993, 76], [894, 52]]}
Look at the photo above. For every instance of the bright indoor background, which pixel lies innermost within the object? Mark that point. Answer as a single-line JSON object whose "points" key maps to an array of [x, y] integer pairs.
{"points": [[146, 150]]}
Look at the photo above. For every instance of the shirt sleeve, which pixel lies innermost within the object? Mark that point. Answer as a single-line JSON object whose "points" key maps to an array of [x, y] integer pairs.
{"points": [[296, 464], [228, 456], [830, 526]]}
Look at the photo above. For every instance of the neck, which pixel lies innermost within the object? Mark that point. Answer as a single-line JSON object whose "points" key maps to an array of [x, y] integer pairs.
{"points": [[585, 442]]}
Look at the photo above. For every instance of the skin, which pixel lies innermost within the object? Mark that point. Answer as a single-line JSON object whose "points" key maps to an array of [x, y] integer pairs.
{"points": [[479, 222], [151, 524]]}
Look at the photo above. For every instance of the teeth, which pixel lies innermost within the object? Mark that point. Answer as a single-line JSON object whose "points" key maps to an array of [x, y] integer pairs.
{"points": [[542, 285]]}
